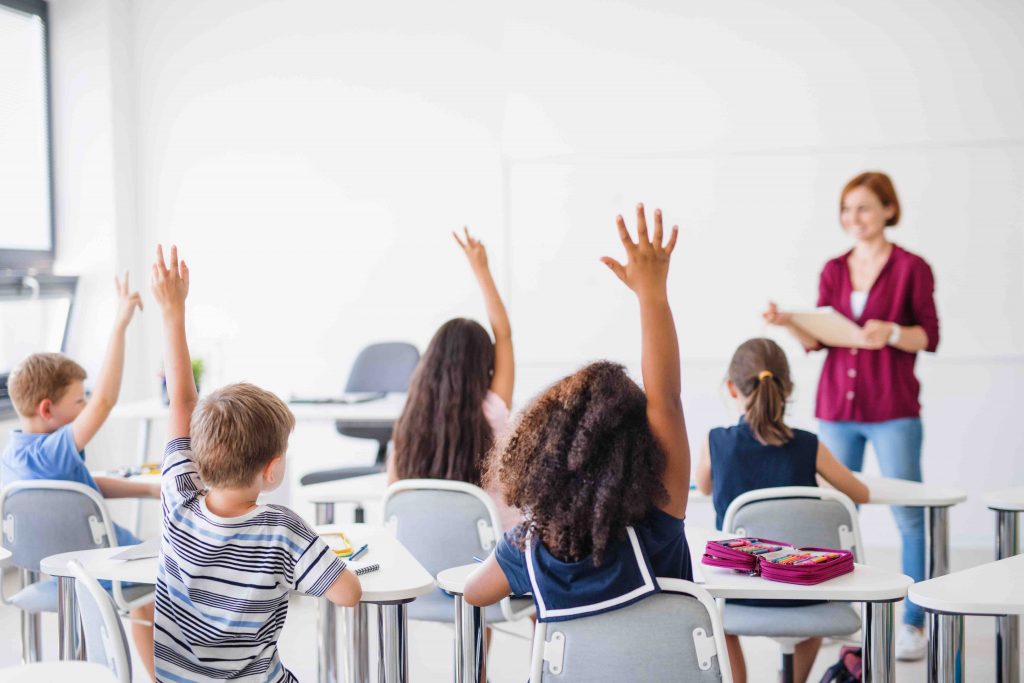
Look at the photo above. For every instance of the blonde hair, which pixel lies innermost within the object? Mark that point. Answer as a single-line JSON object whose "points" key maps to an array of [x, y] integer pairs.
{"points": [[41, 376], [760, 371], [236, 431]]}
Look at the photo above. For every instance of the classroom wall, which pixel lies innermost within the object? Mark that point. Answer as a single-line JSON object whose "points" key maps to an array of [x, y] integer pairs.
{"points": [[310, 158]]}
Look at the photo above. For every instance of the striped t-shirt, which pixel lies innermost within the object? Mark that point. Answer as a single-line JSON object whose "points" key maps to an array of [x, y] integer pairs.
{"points": [[223, 584]]}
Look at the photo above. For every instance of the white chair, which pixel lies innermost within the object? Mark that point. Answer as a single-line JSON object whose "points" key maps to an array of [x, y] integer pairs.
{"points": [[105, 639], [672, 636], [444, 524], [75, 518], [804, 516]]}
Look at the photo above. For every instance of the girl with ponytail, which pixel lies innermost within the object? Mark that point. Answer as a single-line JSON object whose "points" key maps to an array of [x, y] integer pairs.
{"points": [[762, 451]]}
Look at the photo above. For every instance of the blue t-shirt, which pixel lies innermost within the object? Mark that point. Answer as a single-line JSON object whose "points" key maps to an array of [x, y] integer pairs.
{"points": [[570, 590], [50, 456]]}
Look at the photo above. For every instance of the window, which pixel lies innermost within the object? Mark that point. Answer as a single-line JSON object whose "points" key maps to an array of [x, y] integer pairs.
{"points": [[26, 187]]}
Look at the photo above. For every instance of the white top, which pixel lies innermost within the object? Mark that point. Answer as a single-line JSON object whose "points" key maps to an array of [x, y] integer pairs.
{"points": [[993, 588], [1011, 500], [45, 672], [885, 491], [858, 300], [366, 489], [400, 576], [5, 556], [386, 410]]}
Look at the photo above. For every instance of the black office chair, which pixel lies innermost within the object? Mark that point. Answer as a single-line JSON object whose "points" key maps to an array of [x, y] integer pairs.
{"points": [[385, 367]]}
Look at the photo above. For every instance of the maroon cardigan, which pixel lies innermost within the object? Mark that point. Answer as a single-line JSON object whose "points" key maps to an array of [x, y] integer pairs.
{"points": [[862, 385]]}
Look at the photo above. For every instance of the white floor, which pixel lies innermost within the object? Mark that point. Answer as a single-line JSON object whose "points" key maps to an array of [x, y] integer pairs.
{"points": [[431, 644]]}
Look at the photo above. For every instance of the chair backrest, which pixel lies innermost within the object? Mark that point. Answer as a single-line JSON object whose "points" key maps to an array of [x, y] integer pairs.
{"points": [[672, 636], [386, 367], [105, 640], [801, 515], [44, 517]]}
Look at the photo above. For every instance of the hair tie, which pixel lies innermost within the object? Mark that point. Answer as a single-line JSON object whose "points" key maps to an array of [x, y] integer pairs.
{"points": [[764, 374]]}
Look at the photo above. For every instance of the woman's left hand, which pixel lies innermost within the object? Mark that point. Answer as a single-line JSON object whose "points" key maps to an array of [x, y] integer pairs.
{"points": [[875, 334]]}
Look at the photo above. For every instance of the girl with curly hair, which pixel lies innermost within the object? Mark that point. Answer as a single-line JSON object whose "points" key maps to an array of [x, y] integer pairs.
{"points": [[599, 469], [762, 451], [459, 394]]}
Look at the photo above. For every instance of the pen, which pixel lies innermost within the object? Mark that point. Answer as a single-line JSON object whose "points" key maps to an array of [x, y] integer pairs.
{"points": [[477, 559], [359, 552]]}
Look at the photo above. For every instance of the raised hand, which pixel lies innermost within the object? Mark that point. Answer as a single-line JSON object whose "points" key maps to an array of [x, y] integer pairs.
{"points": [[474, 250], [169, 282], [773, 316], [128, 301], [646, 267]]}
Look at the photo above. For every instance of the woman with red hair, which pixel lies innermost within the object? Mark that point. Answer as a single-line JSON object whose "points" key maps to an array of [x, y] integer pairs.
{"points": [[869, 392]]}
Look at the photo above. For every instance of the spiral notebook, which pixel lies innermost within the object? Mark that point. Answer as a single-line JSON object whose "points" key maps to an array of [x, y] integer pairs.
{"points": [[366, 569]]}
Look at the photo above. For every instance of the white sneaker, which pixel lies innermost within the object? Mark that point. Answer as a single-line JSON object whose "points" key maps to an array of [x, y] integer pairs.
{"points": [[911, 644]]}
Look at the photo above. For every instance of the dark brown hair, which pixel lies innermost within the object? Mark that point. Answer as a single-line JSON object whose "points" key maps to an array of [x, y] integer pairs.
{"points": [[442, 432], [41, 376], [881, 185], [760, 371], [236, 431], [582, 463]]}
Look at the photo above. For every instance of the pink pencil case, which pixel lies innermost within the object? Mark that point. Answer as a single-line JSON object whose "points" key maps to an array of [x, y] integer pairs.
{"points": [[778, 561]]}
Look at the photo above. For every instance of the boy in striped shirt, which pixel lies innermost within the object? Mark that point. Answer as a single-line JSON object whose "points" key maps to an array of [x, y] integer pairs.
{"points": [[227, 563]]}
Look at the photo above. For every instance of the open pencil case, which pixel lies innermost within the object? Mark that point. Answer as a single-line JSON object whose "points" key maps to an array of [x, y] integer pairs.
{"points": [[777, 561]]}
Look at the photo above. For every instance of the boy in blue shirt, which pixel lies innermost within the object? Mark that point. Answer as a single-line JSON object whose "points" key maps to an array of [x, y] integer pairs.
{"points": [[48, 392]]}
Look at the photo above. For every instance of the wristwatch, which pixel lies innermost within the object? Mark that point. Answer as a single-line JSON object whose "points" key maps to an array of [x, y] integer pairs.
{"points": [[894, 336]]}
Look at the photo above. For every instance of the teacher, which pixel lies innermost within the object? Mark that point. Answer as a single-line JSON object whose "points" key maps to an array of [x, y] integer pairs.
{"points": [[869, 392]]}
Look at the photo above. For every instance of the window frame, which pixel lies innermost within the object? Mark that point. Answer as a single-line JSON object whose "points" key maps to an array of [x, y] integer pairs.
{"points": [[37, 259]]}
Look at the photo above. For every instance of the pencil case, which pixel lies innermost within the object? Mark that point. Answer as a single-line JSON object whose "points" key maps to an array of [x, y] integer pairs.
{"points": [[821, 565], [339, 543], [740, 554]]}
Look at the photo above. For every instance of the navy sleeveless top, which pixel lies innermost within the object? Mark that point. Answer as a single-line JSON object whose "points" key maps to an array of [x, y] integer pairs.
{"points": [[569, 590], [740, 463]]}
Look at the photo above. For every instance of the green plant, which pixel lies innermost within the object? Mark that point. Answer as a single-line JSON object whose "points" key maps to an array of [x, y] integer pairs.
{"points": [[198, 367]]}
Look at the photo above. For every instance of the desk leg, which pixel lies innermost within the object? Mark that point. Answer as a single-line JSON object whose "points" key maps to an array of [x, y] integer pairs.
{"points": [[1007, 627], [392, 644], [68, 636], [144, 430], [946, 648], [327, 619], [936, 542], [470, 642], [357, 655], [878, 653]]}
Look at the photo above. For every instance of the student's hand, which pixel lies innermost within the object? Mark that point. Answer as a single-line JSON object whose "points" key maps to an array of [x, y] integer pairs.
{"points": [[875, 334], [474, 250], [773, 316], [128, 301], [646, 267], [169, 282]]}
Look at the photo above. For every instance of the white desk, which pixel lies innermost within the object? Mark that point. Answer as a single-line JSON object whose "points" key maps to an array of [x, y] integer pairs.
{"points": [[877, 589], [5, 557], [400, 580], [369, 413], [58, 672], [994, 589], [1007, 504]]}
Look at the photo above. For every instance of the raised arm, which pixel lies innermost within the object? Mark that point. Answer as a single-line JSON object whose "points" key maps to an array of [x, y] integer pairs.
{"points": [[108, 384], [504, 359], [646, 273], [170, 288]]}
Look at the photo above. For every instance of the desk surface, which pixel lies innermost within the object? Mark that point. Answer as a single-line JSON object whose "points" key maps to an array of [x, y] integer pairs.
{"points": [[1011, 500], [368, 488], [400, 577], [865, 583], [44, 672], [994, 588], [885, 491], [385, 409], [5, 557]]}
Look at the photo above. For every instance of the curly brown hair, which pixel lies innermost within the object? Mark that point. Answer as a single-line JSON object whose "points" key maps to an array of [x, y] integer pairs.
{"points": [[582, 463]]}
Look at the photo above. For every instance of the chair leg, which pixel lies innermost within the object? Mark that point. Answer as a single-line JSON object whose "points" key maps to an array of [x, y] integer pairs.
{"points": [[30, 637], [787, 667]]}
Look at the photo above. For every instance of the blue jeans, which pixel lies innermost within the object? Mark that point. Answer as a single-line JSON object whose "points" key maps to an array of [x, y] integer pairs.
{"points": [[898, 445]]}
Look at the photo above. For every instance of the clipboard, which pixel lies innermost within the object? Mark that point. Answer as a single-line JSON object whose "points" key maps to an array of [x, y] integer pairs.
{"points": [[828, 326]]}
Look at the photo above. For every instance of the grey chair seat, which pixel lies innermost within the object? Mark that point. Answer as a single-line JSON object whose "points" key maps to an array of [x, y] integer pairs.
{"points": [[42, 595], [810, 621], [440, 607]]}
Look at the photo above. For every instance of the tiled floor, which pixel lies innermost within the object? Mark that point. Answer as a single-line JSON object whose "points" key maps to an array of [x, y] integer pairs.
{"points": [[431, 644]]}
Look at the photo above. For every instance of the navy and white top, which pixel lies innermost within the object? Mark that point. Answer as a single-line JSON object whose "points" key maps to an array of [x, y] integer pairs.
{"points": [[570, 590], [223, 584], [741, 463]]}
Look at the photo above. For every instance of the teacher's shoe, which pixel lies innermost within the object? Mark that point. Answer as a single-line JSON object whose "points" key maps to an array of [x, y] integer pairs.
{"points": [[911, 644]]}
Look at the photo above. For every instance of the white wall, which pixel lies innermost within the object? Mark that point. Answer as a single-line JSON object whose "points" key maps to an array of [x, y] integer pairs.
{"points": [[310, 158]]}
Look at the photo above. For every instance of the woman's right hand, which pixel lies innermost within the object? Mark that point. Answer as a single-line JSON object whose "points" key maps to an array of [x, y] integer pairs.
{"points": [[773, 316]]}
